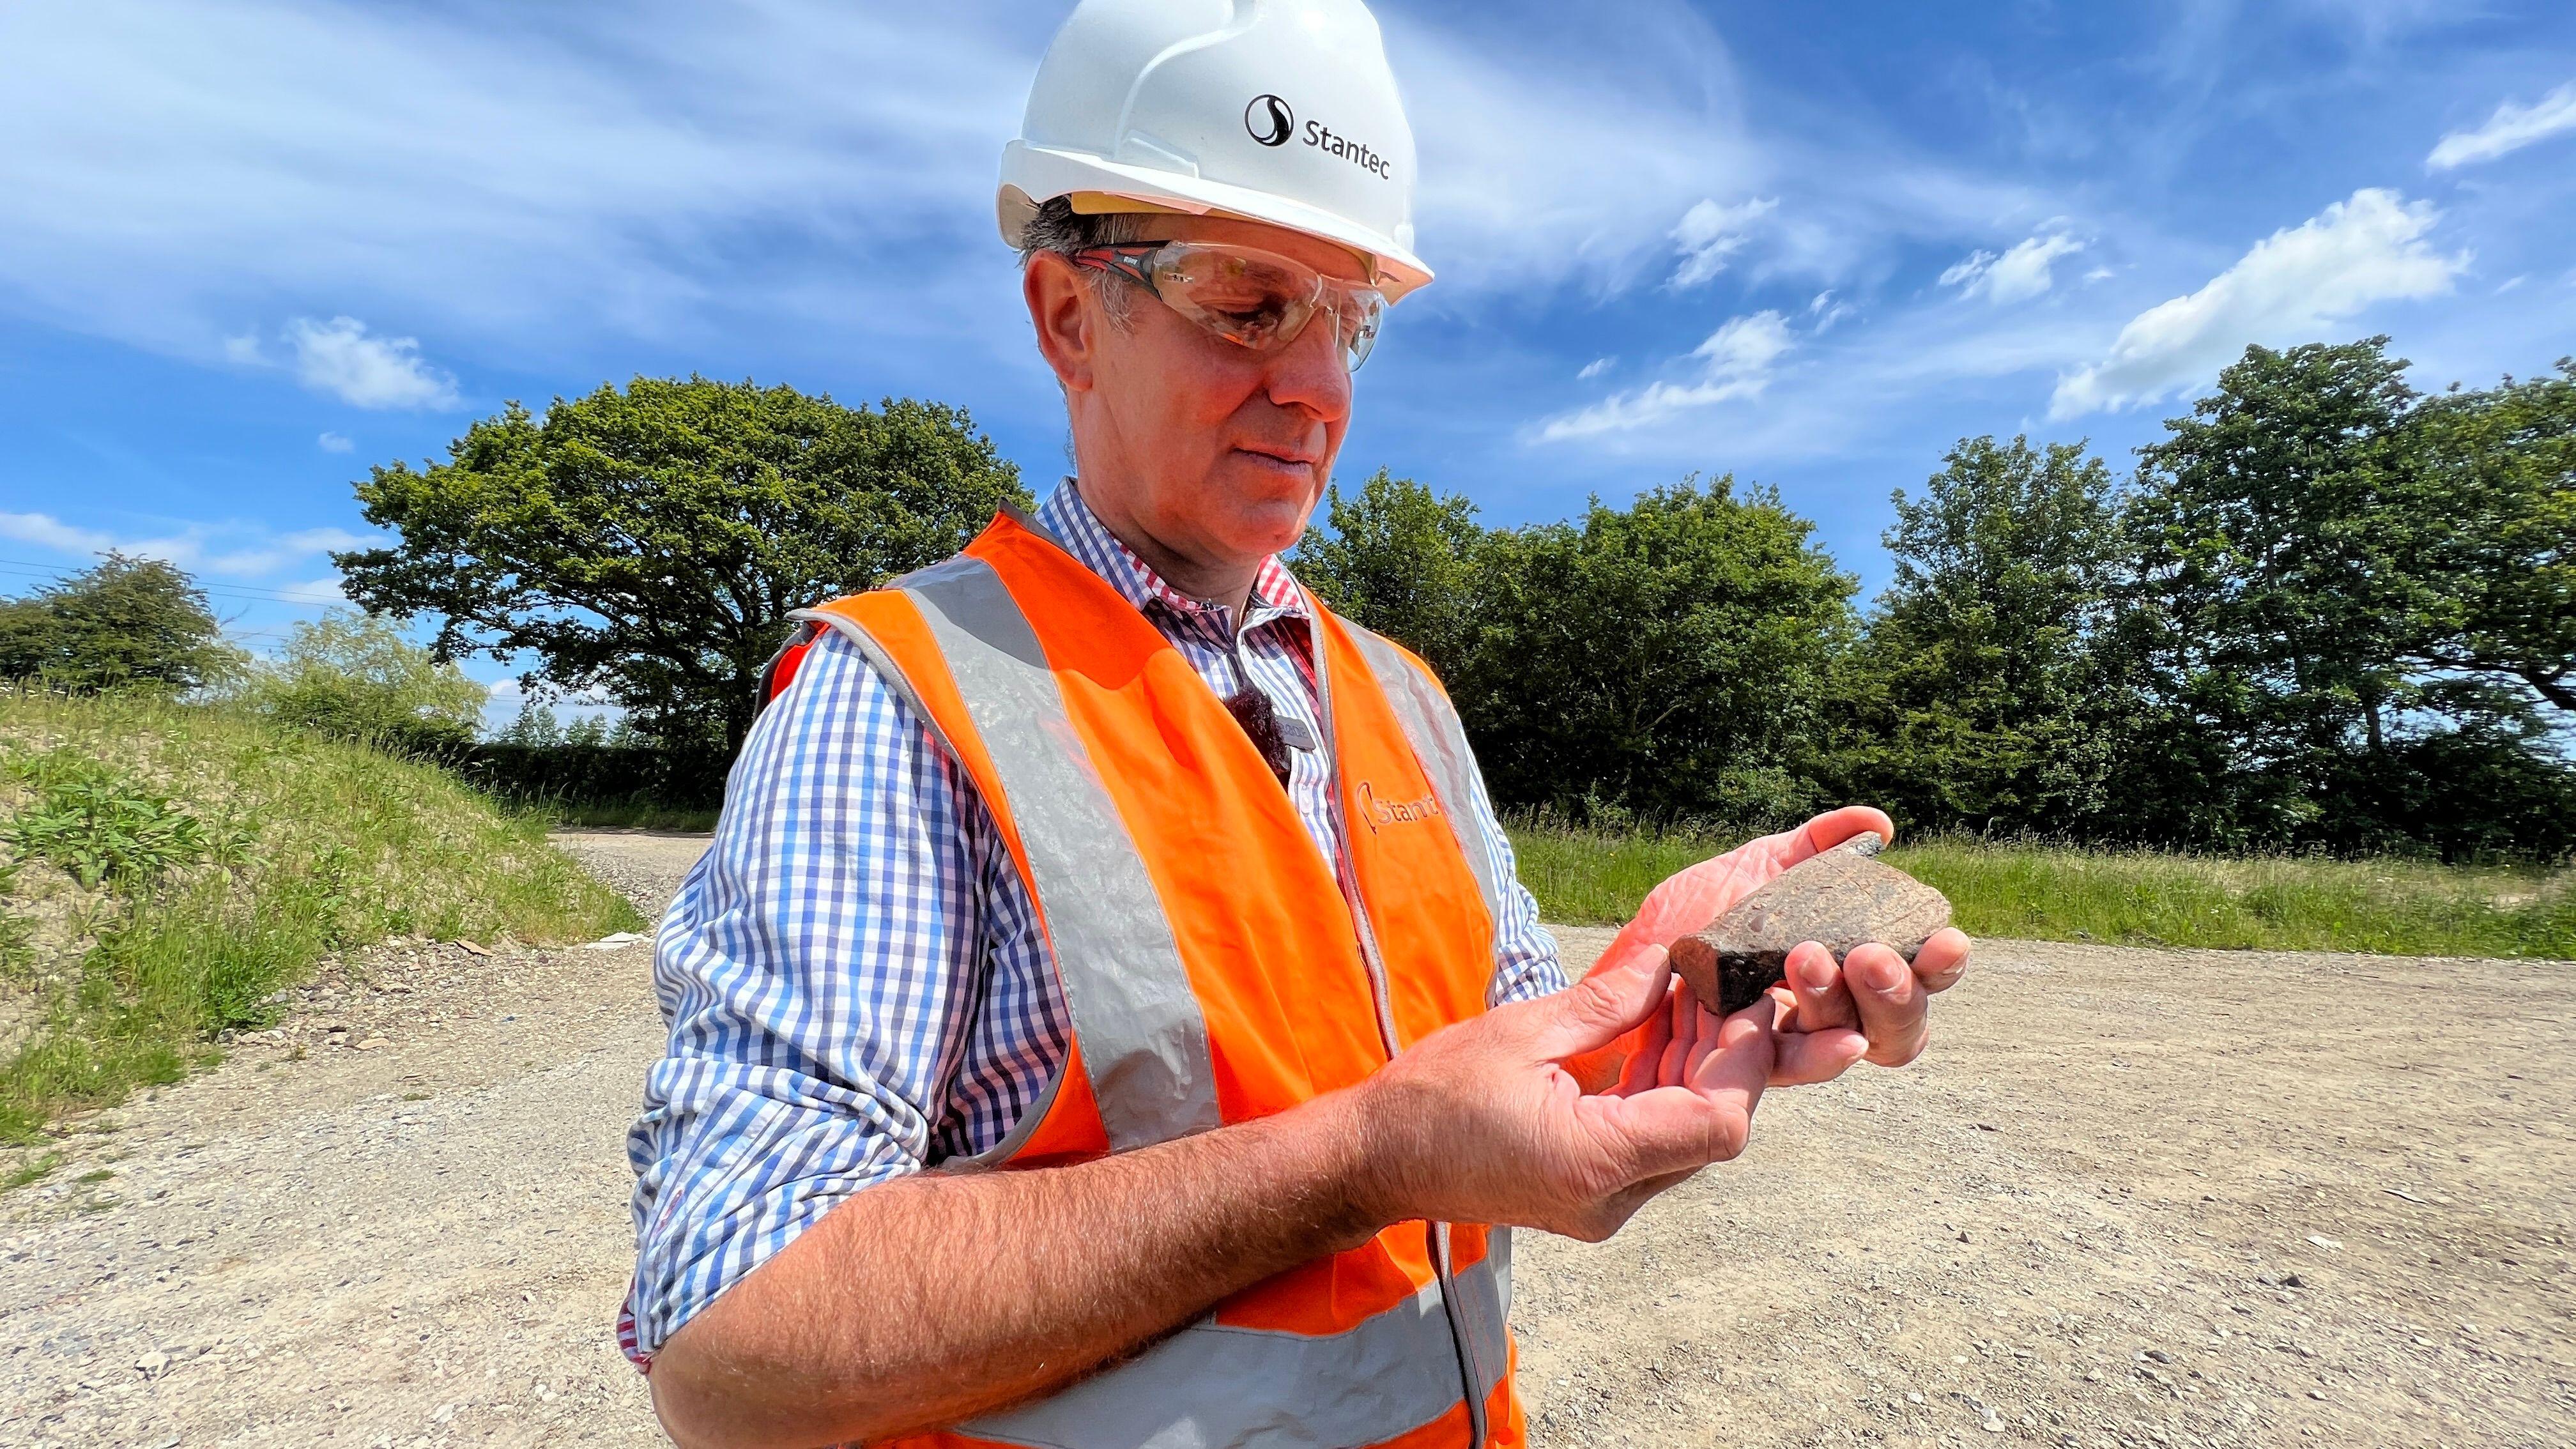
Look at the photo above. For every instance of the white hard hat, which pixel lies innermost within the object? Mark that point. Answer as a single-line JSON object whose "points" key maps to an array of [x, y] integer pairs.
{"points": [[1281, 111]]}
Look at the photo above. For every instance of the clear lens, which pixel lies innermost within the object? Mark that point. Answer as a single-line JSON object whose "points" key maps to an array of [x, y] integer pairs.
{"points": [[1260, 301]]}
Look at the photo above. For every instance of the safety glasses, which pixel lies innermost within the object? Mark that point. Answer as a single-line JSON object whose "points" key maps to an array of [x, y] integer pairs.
{"points": [[1247, 296]]}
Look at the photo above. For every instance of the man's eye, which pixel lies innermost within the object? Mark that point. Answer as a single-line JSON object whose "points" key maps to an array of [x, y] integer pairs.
{"points": [[1249, 311]]}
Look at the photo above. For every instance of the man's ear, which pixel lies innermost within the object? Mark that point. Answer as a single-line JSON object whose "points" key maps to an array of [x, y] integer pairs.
{"points": [[1066, 313]]}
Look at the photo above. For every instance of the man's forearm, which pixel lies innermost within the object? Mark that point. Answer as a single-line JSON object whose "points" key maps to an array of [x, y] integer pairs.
{"points": [[929, 1299]]}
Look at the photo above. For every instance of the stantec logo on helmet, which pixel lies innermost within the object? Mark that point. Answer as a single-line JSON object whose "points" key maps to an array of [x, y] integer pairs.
{"points": [[1269, 120]]}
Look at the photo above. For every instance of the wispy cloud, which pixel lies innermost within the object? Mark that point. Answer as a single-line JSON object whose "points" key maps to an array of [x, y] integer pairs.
{"points": [[1710, 233], [2511, 128], [231, 550], [2016, 275], [1735, 361], [338, 357], [2291, 286], [506, 171], [1595, 368], [334, 443]]}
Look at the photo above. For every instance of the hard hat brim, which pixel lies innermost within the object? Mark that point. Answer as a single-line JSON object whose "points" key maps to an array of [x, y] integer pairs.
{"points": [[1034, 174]]}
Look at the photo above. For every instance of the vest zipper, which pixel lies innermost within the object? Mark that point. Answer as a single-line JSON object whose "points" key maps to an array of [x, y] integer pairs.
{"points": [[1471, 1373]]}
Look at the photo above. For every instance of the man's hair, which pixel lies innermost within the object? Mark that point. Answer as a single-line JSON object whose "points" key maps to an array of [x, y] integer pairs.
{"points": [[1058, 228]]}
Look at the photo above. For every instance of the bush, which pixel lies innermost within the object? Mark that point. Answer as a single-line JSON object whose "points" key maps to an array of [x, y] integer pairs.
{"points": [[355, 677]]}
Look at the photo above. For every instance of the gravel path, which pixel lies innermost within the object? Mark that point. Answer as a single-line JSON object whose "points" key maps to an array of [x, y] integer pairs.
{"points": [[2133, 1197]]}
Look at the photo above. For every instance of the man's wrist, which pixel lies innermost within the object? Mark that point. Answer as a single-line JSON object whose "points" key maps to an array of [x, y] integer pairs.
{"points": [[1357, 1130]]}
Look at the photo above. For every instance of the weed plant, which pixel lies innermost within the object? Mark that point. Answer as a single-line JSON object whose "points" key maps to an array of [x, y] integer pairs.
{"points": [[194, 860], [2128, 897]]}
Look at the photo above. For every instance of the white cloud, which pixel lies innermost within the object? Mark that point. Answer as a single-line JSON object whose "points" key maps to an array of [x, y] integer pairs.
{"points": [[1708, 234], [46, 531], [2511, 128], [334, 443], [1594, 368], [2292, 286], [338, 357], [1827, 311], [232, 550], [2017, 275], [1737, 360]]}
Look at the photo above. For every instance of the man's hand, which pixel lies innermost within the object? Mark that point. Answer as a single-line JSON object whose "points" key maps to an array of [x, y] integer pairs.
{"points": [[1873, 1006], [1482, 1122]]}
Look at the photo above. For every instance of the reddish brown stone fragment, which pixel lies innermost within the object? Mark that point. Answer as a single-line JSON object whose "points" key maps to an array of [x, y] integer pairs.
{"points": [[1843, 898]]}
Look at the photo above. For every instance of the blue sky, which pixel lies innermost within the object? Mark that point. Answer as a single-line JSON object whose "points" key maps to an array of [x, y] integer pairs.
{"points": [[249, 248]]}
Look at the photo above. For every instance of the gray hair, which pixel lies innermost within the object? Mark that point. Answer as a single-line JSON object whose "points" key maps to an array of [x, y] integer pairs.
{"points": [[1058, 228]]}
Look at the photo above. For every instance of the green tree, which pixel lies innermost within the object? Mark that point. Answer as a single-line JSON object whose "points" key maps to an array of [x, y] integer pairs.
{"points": [[1403, 561], [1978, 697], [586, 733], [535, 727], [123, 623], [1669, 658], [2496, 525], [2271, 602], [354, 676], [649, 542]]}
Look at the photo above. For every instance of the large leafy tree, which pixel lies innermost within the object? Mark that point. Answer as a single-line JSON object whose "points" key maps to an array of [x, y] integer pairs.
{"points": [[1668, 658], [1403, 561], [2272, 602], [124, 624], [1980, 697], [649, 541], [2496, 526]]}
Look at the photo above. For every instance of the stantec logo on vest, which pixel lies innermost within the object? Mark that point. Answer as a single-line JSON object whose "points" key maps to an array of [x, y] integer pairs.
{"points": [[1270, 121], [1395, 812]]}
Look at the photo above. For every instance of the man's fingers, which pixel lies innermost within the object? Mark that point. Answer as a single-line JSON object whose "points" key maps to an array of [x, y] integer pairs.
{"points": [[1601, 1007], [1890, 1001], [1943, 959], [1804, 1058], [1823, 1000], [1831, 829], [1740, 1063], [1648, 1047]]}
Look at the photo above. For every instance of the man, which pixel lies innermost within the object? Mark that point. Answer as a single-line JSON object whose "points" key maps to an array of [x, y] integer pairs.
{"points": [[1104, 856]]}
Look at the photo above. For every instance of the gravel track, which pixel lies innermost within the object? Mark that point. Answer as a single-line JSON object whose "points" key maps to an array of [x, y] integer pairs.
{"points": [[2132, 1197]]}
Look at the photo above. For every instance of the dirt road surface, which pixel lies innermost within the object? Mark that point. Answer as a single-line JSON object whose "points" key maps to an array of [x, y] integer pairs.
{"points": [[2132, 1197]]}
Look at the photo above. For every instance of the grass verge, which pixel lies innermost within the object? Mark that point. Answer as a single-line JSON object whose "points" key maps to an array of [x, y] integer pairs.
{"points": [[2055, 893], [172, 866], [621, 815]]}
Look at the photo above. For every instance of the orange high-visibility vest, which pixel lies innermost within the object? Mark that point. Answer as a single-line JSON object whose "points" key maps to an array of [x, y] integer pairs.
{"points": [[1215, 974]]}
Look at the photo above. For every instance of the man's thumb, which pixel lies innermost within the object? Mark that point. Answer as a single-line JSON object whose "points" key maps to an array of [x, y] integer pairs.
{"points": [[1611, 999]]}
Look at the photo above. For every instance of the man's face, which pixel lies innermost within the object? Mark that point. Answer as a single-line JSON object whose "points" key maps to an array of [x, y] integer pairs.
{"points": [[1218, 452]]}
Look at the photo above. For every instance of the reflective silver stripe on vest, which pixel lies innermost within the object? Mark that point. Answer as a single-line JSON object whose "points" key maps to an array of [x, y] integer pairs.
{"points": [[1211, 1387], [1143, 1039], [1440, 742]]}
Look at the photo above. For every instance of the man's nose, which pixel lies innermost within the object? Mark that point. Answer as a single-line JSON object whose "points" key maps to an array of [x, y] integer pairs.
{"points": [[1310, 373]]}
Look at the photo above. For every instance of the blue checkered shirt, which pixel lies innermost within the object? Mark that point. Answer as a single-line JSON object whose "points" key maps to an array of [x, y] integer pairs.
{"points": [[853, 974]]}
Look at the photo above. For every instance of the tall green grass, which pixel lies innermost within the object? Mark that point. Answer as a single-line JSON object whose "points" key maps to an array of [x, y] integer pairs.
{"points": [[2057, 893], [620, 814], [303, 846]]}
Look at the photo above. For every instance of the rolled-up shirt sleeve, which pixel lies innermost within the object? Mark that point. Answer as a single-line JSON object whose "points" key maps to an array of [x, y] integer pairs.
{"points": [[827, 972]]}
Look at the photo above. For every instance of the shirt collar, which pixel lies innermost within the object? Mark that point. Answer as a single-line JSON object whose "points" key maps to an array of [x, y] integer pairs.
{"points": [[1275, 592]]}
